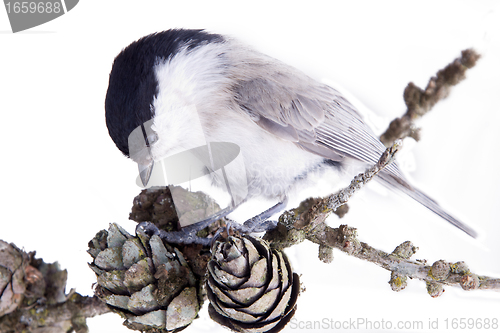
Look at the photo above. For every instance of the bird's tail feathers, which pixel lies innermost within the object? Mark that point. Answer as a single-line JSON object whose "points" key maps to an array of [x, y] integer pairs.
{"points": [[401, 185]]}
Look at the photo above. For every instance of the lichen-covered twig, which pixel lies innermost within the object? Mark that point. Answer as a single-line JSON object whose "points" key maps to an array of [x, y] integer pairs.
{"points": [[33, 299], [55, 317], [420, 101], [345, 239], [308, 222], [320, 209]]}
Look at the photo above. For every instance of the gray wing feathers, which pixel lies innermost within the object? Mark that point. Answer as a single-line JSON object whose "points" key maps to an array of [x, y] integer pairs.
{"points": [[285, 132], [270, 99], [314, 116], [319, 119]]}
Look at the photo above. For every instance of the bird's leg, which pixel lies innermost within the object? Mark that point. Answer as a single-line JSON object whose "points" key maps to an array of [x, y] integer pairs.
{"points": [[172, 237], [260, 222], [188, 235]]}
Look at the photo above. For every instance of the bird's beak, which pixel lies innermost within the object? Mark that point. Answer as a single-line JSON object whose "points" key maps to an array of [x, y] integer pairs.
{"points": [[145, 171]]}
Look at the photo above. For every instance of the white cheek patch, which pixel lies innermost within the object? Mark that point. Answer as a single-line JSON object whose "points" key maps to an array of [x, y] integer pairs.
{"points": [[197, 164], [182, 153], [186, 81], [177, 130]]}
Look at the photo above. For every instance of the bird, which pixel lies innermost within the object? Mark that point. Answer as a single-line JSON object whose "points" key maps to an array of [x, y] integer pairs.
{"points": [[172, 91]]}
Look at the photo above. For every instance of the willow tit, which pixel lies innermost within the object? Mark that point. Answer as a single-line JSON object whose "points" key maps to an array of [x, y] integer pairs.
{"points": [[288, 127]]}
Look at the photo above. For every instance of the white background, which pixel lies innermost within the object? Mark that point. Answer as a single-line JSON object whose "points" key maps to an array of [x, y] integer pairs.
{"points": [[63, 179]]}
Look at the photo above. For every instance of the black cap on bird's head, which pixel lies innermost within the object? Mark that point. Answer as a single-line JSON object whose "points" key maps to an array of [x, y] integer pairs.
{"points": [[133, 85]]}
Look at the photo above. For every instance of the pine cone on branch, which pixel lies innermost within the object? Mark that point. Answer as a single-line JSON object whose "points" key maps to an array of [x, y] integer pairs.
{"points": [[145, 280], [251, 287], [13, 264]]}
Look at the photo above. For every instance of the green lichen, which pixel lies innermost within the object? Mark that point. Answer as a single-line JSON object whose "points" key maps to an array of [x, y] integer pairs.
{"points": [[460, 268], [41, 314], [434, 289], [398, 282]]}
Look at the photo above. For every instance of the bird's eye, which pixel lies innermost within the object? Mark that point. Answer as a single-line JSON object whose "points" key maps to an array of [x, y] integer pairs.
{"points": [[151, 139]]}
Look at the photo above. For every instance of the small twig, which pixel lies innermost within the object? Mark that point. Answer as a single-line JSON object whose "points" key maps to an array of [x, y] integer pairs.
{"points": [[317, 211], [35, 299], [419, 101], [74, 311], [308, 222], [436, 275]]}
